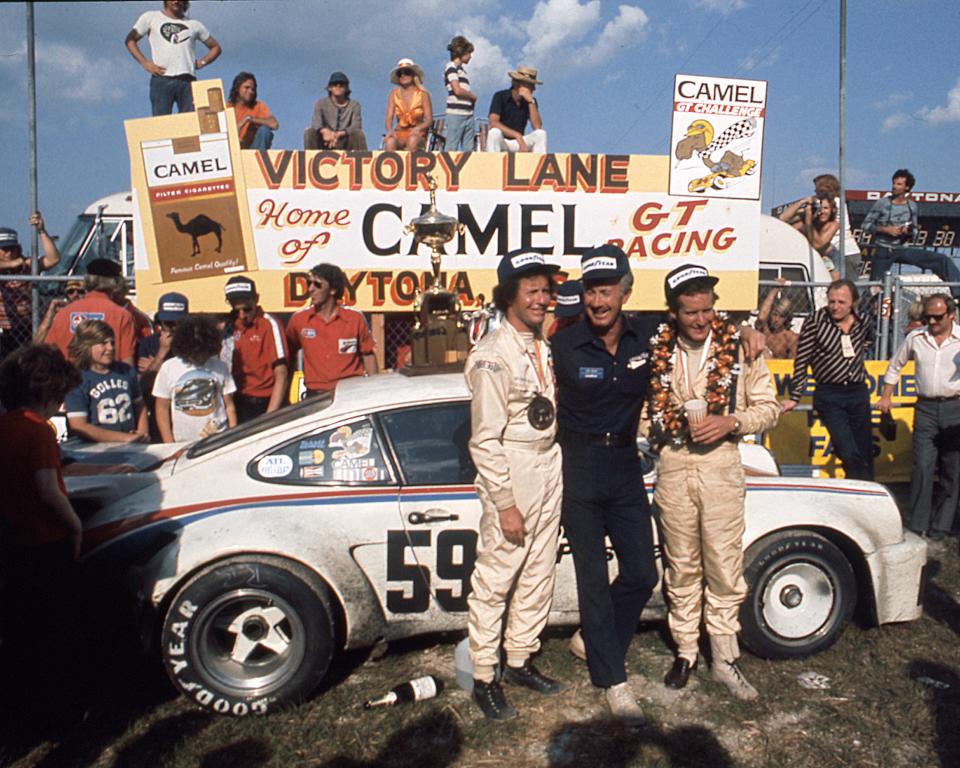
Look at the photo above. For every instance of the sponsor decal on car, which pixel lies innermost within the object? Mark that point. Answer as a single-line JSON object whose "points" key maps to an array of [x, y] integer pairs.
{"points": [[275, 466]]}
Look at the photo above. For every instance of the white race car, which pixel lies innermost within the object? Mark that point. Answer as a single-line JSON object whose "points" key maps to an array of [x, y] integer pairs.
{"points": [[344, 520]]}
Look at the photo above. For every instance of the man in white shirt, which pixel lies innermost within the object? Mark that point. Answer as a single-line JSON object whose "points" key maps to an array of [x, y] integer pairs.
{"points": [[935, 350], [172, 39]]}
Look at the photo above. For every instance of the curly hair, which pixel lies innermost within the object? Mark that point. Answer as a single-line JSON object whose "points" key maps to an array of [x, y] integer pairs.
{"points": [[505, 293], [36, 374], [239, 80], [459, 47], [85, 335], [334, 276], [196, 339], [903, 173]]}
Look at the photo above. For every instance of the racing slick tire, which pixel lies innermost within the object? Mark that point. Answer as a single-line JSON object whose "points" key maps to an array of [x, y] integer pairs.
{"points": [[802, 592], [248, 635]]}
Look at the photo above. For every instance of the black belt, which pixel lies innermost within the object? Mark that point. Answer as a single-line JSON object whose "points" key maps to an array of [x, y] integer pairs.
{"points": [[606, 439], [938, 399]]}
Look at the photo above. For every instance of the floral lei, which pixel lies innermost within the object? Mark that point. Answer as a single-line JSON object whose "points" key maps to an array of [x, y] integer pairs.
{"points": [[668, 422]]}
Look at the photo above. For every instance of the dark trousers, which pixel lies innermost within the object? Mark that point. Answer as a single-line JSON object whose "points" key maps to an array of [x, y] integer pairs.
{"points": [[167, 91], [936, 433], [603, 495], [249, 407], [938, 263], [844, 410]]}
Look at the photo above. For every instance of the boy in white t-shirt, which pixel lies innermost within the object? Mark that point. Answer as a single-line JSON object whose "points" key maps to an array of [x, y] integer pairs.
{"points": [[172, 39], [194, 388]]}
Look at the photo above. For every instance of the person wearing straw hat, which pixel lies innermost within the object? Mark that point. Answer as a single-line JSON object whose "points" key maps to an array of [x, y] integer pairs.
{"points": [[519, 482], [701, 400], [510, 111], [409, 105]]}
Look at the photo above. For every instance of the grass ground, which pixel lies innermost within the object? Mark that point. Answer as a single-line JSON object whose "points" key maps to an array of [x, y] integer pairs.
{"points": [[890, 698]]}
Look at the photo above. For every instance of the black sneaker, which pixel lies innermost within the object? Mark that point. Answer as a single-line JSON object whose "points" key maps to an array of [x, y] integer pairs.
{"points": [[530, 677], [492, 702]]}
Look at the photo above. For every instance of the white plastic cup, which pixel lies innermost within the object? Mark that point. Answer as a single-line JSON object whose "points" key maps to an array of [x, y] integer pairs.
{"points": [[696, 411], [464, 665]]}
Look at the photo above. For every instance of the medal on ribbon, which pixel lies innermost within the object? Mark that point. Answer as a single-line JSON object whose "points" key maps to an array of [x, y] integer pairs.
{"points": [[541, 412]]}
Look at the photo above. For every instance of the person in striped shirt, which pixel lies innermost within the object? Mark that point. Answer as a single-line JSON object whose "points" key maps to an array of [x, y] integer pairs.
{"points": [[832, 343], [460, 128]]}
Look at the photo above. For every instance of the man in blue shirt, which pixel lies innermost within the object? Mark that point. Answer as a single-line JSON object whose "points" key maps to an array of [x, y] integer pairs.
{"points": [[602, 371], [893, 223]]}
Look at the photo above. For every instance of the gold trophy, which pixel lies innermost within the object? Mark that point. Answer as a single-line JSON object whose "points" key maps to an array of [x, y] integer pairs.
{"points": [[439, 337]]}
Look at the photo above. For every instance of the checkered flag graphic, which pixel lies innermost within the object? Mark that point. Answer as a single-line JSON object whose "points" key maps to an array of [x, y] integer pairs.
{"points": [[742, 130]]}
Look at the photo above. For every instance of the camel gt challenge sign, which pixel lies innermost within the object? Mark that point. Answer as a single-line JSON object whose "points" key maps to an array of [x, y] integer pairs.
{"points": [[717, 139]]}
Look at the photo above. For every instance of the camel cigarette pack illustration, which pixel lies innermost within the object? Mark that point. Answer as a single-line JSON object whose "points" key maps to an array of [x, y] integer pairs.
{"points": [[717, 139], [188, 167]]}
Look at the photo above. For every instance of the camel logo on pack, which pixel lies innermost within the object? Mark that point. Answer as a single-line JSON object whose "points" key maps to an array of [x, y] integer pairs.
{"points": [[171, 32], [197, 227]]}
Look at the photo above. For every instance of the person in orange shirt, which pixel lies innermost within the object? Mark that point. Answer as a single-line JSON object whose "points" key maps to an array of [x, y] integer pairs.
{"points": [[409, 104], [255, 123], [335, 340], [106, 293]]}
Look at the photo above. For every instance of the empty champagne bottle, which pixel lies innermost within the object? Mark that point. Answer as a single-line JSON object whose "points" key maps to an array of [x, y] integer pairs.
{"points": [[425, 687]]}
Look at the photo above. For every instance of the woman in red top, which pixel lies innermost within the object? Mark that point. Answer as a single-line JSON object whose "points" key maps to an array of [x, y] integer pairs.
{"points": [[409, 104]]}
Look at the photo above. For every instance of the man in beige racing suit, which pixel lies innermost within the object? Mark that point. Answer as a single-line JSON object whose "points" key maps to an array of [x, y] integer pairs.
{"points": [[700, 486], [519, 482]]}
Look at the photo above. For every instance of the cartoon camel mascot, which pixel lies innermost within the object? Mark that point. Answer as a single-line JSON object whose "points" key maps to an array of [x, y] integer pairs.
{"points": [[700, 140]]}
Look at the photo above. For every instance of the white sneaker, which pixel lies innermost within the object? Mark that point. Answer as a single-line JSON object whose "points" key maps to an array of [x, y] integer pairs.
{"points": [[622, 704], [728, 673], [577, 647]]}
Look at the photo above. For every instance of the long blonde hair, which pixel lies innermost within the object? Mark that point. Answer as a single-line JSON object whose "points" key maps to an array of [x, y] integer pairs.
{"points": [[85, 335]]}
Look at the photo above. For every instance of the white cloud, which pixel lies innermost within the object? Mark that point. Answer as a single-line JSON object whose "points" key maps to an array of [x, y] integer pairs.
{"points": [[73, 74], [754, 60], [946, 113], [555, 26], [891, 100], [894, 121], [488, 68], [627, 30], [726, 7]]}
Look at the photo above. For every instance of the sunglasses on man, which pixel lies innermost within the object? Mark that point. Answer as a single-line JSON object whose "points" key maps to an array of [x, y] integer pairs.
{"points": [[928, 317], [75, 292]]}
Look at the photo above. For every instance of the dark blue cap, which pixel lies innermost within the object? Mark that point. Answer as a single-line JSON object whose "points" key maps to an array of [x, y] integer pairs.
{"points": [[8, 238], [338, 78], [519, 263], [677, 278], [604, 262], [172, 308], [569, 299]]}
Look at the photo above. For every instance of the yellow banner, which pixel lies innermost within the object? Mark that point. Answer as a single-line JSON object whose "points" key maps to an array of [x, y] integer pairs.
{"points": [[208, 209], [800, 438]]}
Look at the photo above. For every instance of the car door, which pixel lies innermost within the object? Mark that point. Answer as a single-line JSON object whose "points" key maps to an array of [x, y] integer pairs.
{"points": [[429, 560], [354, 509]]}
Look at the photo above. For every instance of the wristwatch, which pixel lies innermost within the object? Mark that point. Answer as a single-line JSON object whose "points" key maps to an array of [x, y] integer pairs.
{"points": [[737, 426]]}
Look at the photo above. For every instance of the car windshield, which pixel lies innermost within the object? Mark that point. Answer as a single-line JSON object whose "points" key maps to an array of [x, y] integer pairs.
{"points": [[259, 424], [69, 246]]}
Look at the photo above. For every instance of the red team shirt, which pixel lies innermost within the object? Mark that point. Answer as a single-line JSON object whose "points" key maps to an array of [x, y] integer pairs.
{"points": [[29, 444], [94, 306], [255, 350], [331, 348]]}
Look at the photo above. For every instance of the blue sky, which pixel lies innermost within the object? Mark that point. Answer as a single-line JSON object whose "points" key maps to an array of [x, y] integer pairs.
{"points": [[608, 69]]}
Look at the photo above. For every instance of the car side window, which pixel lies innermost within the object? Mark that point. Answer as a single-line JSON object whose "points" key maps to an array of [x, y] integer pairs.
{"points": [[430, 443], [346, 455]]}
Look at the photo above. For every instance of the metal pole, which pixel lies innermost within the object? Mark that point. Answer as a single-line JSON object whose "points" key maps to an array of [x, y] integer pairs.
{"points": [[843, 110], [32, 122], [885, 318]]}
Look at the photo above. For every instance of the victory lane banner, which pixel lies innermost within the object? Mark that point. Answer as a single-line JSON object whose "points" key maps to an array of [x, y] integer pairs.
{"points": [[716, 143], [300, 208]]}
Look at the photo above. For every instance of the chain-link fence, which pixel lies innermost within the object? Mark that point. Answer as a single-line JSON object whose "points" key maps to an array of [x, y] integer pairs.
{"points": [[17, 294]]}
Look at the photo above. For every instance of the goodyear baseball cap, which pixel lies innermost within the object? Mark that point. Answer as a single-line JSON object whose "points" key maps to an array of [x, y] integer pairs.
{"points": [[8, 238], [605, 262], [171, 308], [240, 288], [675, 280], [569, 299], [520, 263]]}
